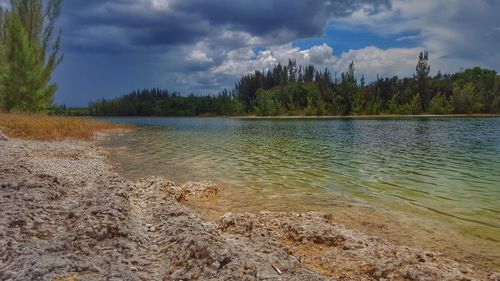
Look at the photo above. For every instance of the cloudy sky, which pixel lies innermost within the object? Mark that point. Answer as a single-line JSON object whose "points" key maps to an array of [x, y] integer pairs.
{"points": [[201, 46]]}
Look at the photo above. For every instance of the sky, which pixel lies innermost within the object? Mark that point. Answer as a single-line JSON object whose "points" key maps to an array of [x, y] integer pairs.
{"points": [[198, 46]]}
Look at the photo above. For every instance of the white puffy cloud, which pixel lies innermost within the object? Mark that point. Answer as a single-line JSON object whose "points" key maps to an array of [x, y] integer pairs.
{"points": [[369, 61], [319, 55], [238, 64], [372, 61], [199, 56]]}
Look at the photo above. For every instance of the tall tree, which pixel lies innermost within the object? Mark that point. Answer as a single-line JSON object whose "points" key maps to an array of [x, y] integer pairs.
{"points": [[309, 71], [347, 89], [32, 53], [423, 68]]}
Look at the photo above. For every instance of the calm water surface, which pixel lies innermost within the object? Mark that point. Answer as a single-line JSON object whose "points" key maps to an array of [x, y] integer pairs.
{"points": [[444, 168]]}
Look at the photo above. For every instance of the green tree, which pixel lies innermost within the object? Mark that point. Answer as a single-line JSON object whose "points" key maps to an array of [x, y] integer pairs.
{"points": [[423, 68], [415, 105], [309, 71], [315, 103], [359, 102], [364, 103], [393, 105], [374, 106], [495, 104], [483, 81], [267, 103], [466, 99], [31, 55], [346, 91], [440, 105]]}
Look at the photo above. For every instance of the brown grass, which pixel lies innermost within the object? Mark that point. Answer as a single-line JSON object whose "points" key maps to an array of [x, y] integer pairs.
{"points": [[53, 128]]}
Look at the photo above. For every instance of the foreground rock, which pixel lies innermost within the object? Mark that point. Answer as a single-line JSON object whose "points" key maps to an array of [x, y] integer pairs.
{"points": [[342, 253], [67, 216]]}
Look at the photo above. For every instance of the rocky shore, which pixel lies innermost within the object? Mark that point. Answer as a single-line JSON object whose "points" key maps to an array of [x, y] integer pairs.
{"points": [[66, 215]]}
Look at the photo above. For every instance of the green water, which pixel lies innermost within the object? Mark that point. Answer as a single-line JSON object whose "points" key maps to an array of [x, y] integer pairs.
{"points": [[444, 168]]}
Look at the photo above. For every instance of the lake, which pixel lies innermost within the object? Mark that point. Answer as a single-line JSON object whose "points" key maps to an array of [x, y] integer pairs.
{"points": [[444, 170]]}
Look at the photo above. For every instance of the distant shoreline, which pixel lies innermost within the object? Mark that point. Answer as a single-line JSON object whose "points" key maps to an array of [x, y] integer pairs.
{"points": [[354, 117], [381, 116]]}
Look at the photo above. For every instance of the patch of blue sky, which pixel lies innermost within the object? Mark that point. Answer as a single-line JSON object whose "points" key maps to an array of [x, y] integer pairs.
{"points": [[342, 40]]}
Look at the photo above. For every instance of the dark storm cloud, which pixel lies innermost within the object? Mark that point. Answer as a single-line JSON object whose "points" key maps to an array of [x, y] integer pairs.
{"points": [[264, 17], [119, 25], [112, 25]]}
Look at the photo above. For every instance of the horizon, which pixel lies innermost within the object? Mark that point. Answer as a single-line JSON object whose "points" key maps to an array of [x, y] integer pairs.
{"points": [[114, 47]]}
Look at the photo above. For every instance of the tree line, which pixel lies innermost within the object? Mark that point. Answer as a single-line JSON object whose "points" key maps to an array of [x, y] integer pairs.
{"points": [[29, 54], [157, 102], [305, 90]]}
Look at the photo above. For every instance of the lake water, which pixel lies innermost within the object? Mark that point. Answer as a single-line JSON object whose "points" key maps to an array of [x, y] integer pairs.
{"points": [[445, 169]]}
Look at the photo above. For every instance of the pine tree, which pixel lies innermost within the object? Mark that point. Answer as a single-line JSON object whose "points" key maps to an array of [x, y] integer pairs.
{"points": [[423, 68], [31, 55], [347, 89], [20, 77], [309, 71], [415, 105]]}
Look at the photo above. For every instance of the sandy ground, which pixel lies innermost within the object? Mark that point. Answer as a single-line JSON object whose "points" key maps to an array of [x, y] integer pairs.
{"points": [[66, 215]]}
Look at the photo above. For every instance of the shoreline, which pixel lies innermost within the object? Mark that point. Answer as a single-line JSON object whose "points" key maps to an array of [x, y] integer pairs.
{"points": [[380, 116], [70, 215], [353, 117]]}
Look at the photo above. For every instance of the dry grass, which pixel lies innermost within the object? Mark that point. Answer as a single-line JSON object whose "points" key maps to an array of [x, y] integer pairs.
{"points": [[52, 128]]}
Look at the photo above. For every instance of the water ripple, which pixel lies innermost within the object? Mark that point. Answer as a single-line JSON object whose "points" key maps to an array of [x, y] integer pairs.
{"points": [[447, 167]]}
